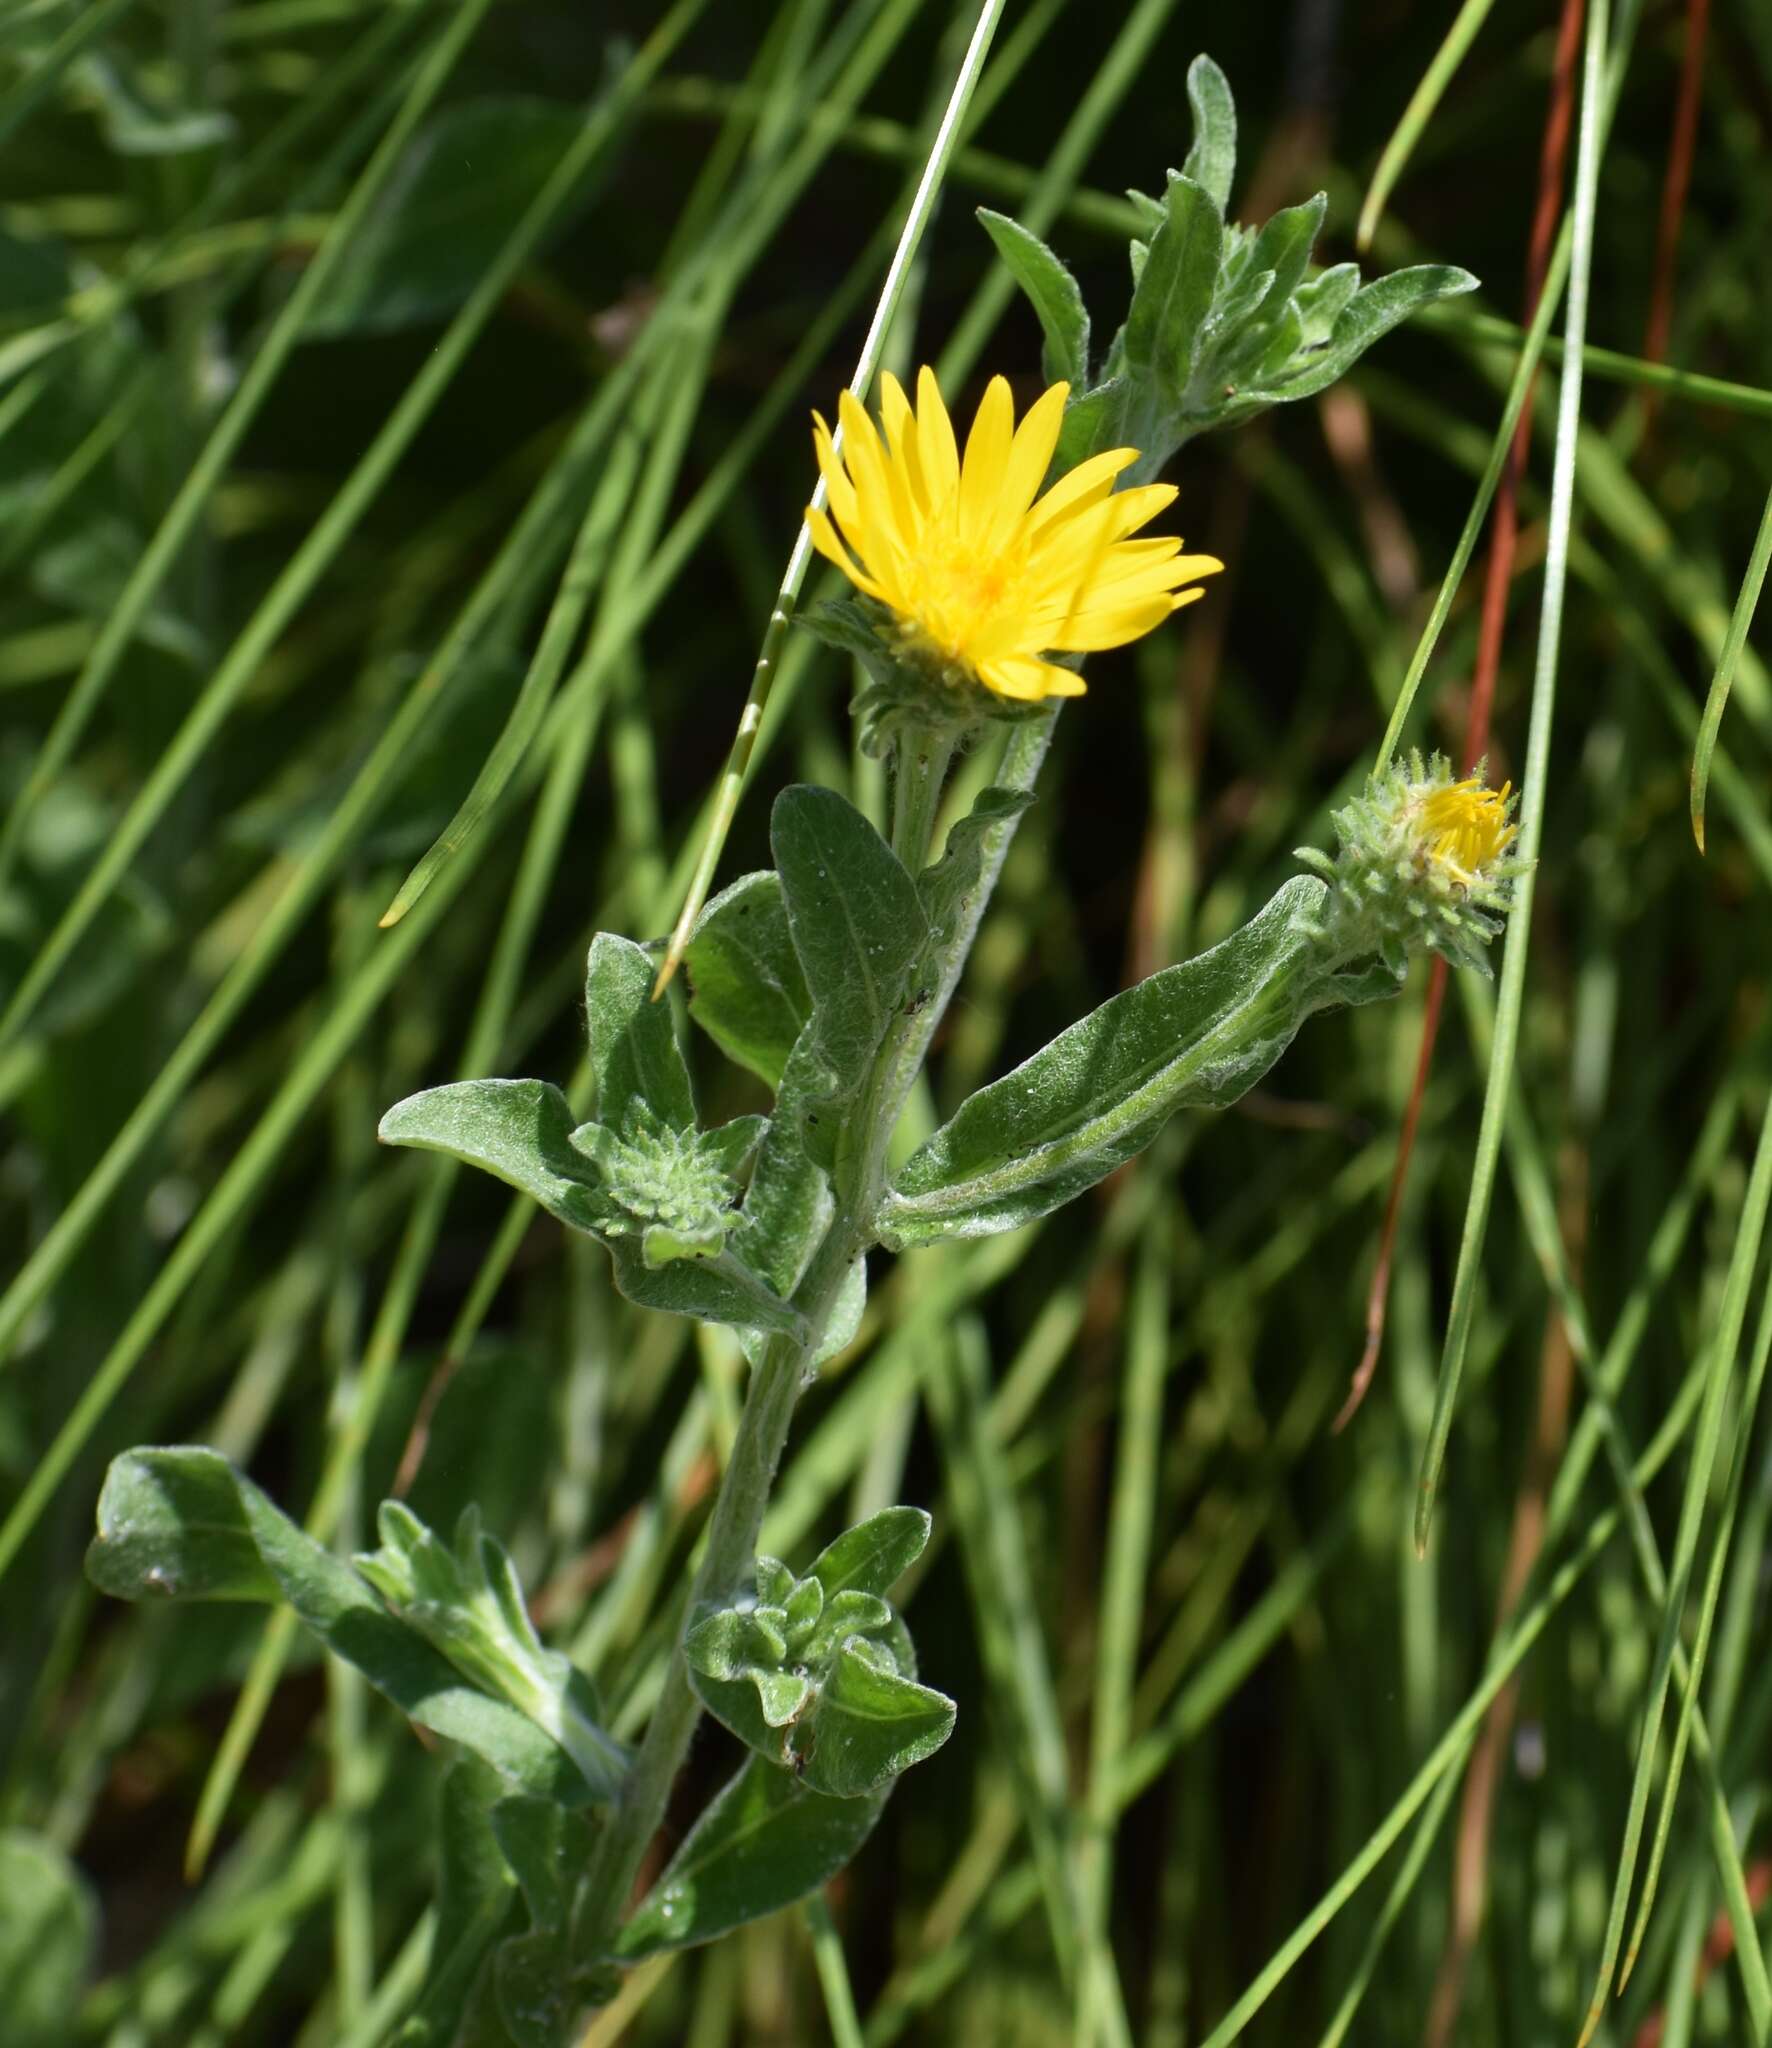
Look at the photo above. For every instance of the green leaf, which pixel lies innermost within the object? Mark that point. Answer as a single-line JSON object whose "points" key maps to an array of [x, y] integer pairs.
{"points": [[1369, 315], [948, 887], [1053, 293], [139, 1553], [1193, 1036], [874, 1555], [1285, 243], [1212, 161], [1092, 423], [449, 207], [857, 923], [476, 1899], [1175, 290], [871, 1724], [717, 1290], [1320, 302], [634, 1049], [746, 988], [788, 1206], [48, 1940], [765, 1841], [519, 1130]]}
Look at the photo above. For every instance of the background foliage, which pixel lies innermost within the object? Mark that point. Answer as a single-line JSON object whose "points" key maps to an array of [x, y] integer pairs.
{"points": [[373, 366]]}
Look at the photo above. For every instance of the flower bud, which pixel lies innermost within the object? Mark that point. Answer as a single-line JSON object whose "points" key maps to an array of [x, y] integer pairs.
{"points": [[1423, 862]]}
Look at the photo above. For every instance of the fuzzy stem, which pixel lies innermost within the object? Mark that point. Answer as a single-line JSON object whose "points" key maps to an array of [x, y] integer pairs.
{"points": [[768, 1413]]}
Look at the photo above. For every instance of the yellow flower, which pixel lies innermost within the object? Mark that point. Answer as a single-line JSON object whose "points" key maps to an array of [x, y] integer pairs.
{"points": [[1464, 827], [982, 574]]}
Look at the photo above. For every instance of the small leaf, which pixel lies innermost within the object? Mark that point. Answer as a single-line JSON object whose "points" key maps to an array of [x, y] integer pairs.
{"points": [[804, 1605], [948, 887], [1285, 243], [870, 1725], [48, 1940], [519, 1130], [746, 988], [857, 924], [1212, 161], [1053, 293], [1369, 315], [1320, 302], [874, 1555], [634, 1048], [1193, 1036], [728, 1644], [781, 1694], [765, 1841], [1175, 290], [476, 1900], [730, 1145], [1092, 424], [714, 1290], [328, 1596]]}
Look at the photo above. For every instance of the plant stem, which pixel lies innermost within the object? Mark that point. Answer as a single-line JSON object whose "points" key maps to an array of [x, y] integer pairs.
{"points": [[768, 1412]]}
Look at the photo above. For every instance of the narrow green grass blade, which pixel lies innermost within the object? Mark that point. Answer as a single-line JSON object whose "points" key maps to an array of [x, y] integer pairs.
{"points": [[1740, 619], [1707, 1612], [1417, 115], [1535, 781], [1718, 1371], [92, 20], [188, 507]]}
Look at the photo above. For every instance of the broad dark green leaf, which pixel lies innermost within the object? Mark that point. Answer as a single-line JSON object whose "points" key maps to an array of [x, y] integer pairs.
{"points": [[449, 207], [1212, 160], [519, 1130], [144, 1494], [746, 988], [765, 1841], [1053, 293], [1193, 1036], [1175, 290], [1369, 315], [857, 923], [788, 1206], [874, 1555], [634, 1049], [48, 1940]]}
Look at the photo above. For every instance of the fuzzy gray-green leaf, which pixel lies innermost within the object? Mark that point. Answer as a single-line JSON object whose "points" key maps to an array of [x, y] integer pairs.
{"points": [[874, 1555], [519, 1130], [765, 1841], [1193, 1036], [858, 925], [1175, 289], [1369, 315], [871, 1724], [1212, 161], [634, 1048], [145, 1497], [1053, 293], [746, 988]]}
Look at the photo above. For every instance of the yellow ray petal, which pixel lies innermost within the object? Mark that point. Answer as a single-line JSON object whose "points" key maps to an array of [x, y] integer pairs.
{"points": [[1085, 485], [1030, 455], [901, 435], [836, 478], [829, 544], [987, 456], [1027, 679], [936, 449]]}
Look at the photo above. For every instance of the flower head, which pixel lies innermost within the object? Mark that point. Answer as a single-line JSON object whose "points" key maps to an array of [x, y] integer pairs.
{"points": [[982, 574], [1464, 827], [1423, 861]]}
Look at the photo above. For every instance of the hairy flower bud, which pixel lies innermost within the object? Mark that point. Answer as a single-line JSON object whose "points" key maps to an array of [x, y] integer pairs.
{"points": [[1423, 862]]}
